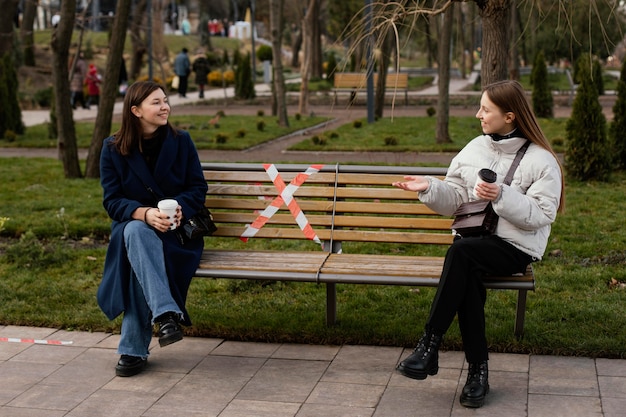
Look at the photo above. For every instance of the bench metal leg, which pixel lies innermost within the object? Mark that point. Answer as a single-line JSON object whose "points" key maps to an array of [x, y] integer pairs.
{"points": [[520, 314], [331, 303]]}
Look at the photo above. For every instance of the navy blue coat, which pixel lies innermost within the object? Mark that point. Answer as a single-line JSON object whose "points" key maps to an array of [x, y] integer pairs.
{"points": [[126, 183]]}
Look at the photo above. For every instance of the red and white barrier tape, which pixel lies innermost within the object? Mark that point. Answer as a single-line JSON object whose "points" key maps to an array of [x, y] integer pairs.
{"points": [[35, 341], [286, 193]]}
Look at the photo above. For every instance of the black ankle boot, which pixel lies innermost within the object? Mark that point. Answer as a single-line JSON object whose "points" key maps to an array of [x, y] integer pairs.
{"points": [[477, 385], [424, 360], [169, 329]]}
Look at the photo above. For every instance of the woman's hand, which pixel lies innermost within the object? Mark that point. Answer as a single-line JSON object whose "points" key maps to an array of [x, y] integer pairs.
{"points": [[413, 183], [487, 191], [160, 221]]}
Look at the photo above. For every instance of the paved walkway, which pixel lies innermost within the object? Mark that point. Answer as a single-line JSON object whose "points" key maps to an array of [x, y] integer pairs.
{"points": [[213, 377]]}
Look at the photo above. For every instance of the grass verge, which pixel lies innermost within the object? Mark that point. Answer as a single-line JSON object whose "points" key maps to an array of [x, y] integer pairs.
{"points": [[411, 134], [226, 133]]}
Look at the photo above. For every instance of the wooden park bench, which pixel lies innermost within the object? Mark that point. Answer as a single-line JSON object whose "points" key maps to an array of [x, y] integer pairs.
{"points": [[354, 82], [343, 208]]}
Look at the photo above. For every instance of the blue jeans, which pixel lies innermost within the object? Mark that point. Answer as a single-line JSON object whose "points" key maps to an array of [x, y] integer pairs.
{"points": [[149, 292]]}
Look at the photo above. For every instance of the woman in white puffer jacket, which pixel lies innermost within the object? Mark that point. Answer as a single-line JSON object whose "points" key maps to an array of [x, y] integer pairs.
{"points": [[526, 210]]}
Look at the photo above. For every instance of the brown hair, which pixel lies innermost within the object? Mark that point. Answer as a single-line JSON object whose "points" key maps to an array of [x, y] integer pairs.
{"points": [[509, 96], [128, 137]]}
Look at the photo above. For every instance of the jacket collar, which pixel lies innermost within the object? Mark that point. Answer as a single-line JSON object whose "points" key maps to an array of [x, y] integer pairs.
{"points": [[510, 145]]}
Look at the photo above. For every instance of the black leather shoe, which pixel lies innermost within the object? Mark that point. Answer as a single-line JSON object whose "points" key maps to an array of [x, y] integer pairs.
{"points": [[424, 360], [130, 365], [477, 385], [169, 329]]}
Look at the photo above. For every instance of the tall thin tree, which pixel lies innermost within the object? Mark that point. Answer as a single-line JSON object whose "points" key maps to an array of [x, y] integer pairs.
{"points": [[26, 31], [109, 89], [276, 29], [60, 43], [443, 104]]}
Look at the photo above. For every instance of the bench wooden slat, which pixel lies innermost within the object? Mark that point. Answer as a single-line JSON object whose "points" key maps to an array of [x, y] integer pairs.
{"points": [[371, 207], [268, 191], [309, 262], [340, 221], [416, 209], [257, 204], [252, 177], [340, 235]]}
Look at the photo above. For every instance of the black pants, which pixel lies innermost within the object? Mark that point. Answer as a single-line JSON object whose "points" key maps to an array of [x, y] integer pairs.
{"points": [[461, 290], [182, 85]]}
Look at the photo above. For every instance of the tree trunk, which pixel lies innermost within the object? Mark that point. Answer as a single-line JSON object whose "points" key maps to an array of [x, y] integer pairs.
{"points": [[386, 50], [495, 45], [159, 51], [513, 37], [296, 45], [203, 26], [60, 43], [462, 54], [316, 40], [311, 41], [26, 31], [276, 25], [136, 40], [429, 41], [304, 35], [109, 90], [6, 25], [443, 104]]}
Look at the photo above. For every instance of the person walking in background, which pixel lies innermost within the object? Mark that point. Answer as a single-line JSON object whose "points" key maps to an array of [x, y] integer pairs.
{"points": [[147, 270], [93, 81], [182, 69], [77, 80], [202, 69], [526, 209]]}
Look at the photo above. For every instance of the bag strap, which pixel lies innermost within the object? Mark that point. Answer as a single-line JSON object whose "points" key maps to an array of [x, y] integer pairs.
{"points": [[516, 161]]}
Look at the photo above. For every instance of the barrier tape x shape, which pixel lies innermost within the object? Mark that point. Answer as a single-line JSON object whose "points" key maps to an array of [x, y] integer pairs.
{"points": [[285, 195]]}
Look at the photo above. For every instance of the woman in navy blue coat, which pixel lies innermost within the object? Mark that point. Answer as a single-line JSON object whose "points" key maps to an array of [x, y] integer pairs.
{"points": [[147, 269]]}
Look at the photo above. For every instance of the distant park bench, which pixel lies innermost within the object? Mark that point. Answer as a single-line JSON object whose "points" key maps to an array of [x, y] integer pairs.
{"points": [[354, 82]]}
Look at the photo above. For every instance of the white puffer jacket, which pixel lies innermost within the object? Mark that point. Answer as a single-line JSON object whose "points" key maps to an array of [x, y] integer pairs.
{"points": [[527, 207]]}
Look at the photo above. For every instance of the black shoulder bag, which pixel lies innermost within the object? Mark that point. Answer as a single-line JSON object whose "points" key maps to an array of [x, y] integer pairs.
{"points": [[199, 225], [477, 218]]}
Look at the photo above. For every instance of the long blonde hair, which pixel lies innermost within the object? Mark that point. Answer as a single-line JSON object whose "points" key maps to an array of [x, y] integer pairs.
{"points": [[509, 96]]}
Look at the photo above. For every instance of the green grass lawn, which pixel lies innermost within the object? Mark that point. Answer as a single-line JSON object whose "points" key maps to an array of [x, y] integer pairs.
{"points": [[52, 251], [417, 134], [236, 132], [232, 132]]}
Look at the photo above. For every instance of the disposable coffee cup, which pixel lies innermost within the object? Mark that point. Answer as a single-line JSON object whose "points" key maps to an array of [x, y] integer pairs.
{"points": [[168, 207], [485, 175]]}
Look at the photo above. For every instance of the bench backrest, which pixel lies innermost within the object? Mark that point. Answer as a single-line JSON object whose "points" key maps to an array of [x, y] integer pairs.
{"points": [[358, 80], [339, 203]]}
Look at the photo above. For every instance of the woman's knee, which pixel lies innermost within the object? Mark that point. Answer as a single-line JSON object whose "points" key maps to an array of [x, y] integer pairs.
{"points": [[138, 231]]}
